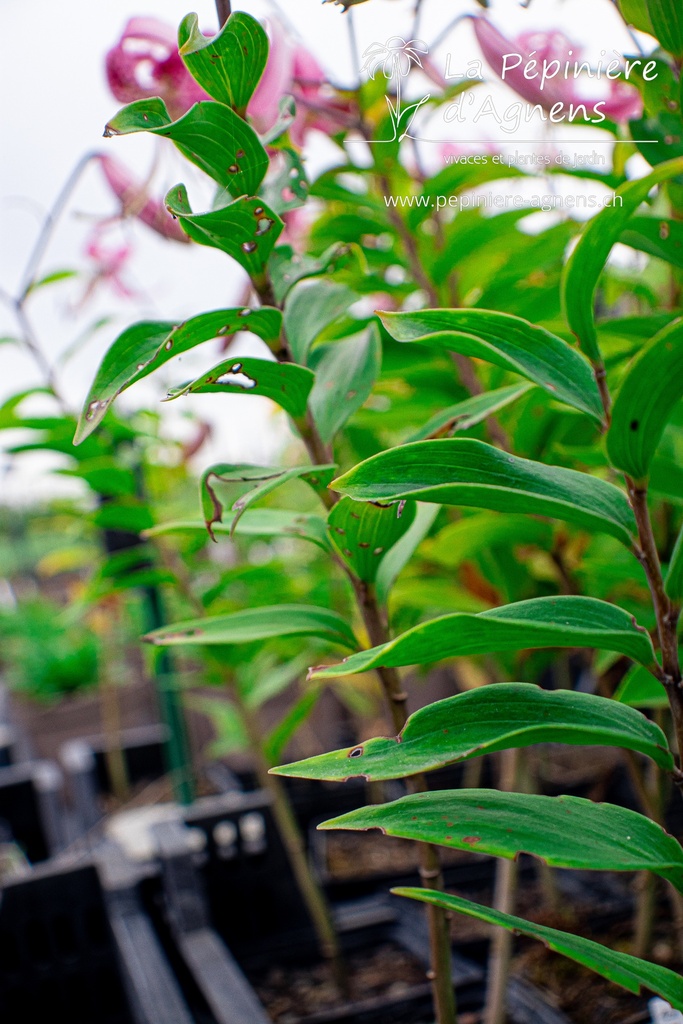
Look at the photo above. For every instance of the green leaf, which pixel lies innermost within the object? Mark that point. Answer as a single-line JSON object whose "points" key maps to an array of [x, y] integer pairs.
{"points": [[285, 383], [362, 533], [649, 393], [345, 372], [640, 689], [400, 554], [468, 413], [634, 12], [539, 622], [210, 135], [588, 259], [466, 472], [667, 24], [563, 831], [264, 479], [628, 971], [247, 229], [506, 341], [673, 584], [229, 65], [311, 306], [260, 522], [288, 188], [496, 717], [257, 624], [657, 237], [146, 346], [464, 540]]}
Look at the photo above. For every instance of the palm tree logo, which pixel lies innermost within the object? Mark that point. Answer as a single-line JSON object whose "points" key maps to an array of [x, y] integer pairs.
{"points": [[395, 59]]}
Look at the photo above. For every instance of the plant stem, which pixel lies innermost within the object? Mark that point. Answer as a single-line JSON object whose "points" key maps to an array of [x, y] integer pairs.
{"points": [[666, 612], [223, 10], [288, 828], [504, 898]]}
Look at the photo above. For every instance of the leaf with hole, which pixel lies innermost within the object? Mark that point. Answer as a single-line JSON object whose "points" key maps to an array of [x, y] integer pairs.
{"points": [[146, 346], [461, 471], [228, 65], [524, 625], [345, 372], [468, 413], [210, 135], [254, 624], [285, 383], [247, 229], [264, 480], [500, 716], [628, 971], [507, 341], [648, 395], [586, 263], [563, 831], [363, 532]]}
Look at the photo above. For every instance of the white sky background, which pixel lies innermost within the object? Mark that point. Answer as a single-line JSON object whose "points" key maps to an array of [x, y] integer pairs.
{"points": [[55, 104]]}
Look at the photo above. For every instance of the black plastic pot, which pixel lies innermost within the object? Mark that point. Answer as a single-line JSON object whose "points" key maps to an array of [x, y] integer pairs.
{"points": [[239, 889], [72, 951], [31, 809], [87, 772]]}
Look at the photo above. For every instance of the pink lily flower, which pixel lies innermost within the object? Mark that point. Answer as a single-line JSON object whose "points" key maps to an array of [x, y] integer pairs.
{"points": [[145, 62], [621, 104], [109, 262], [136, 201]]}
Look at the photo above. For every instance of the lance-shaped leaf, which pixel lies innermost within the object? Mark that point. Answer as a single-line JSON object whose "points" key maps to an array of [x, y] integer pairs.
{"points": [[229, 65], [311, 306], [264, 480], [506, 341], [285, 383], [563, 831], [524, 625], [210, 135], [362, 533], [462, 471], [260, 522], [656, 236], [146, 346], [345, 373], [247, 229], [649, 393], [628, 971], [257, 624], [468, 413], [481, 721], [588, 259], [667, 22]]}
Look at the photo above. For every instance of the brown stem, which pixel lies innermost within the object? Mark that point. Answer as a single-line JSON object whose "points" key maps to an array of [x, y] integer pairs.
{"points": [[504, 899], [378, 633], [666, 612], [223, 10]]}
